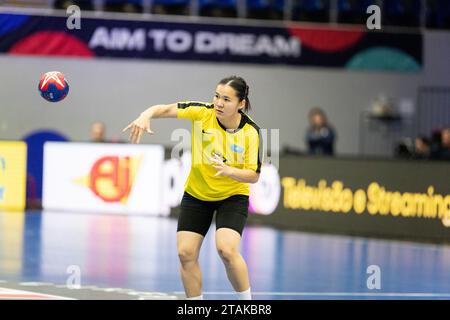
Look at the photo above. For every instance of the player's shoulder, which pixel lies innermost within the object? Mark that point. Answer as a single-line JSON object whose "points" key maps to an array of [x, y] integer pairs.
{"points": [[199, 104], [252, 126]]}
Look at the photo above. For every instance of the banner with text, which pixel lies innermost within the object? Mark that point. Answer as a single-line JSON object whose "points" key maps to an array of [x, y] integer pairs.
{"points": [[355, 49], [364, 197]]}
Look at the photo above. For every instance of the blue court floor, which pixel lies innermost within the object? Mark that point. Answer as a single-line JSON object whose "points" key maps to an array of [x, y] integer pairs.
{"points": [[138, 254]]}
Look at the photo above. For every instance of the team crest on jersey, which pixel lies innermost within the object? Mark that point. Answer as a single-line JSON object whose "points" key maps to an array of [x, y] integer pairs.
{"points": [[236, 148]]}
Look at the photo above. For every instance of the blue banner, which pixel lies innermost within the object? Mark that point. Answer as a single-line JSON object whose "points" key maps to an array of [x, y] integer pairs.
{"points": [[357, 49]]}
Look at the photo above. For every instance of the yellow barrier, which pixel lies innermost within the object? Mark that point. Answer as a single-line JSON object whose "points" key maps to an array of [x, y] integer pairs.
{"points": [[13, 168]]}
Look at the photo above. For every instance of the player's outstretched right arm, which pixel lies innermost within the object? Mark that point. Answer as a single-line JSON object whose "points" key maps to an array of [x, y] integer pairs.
{"points": [[142, 123]]}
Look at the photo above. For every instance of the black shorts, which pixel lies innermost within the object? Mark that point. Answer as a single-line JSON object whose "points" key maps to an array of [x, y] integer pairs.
{"points": [[196, 215]]}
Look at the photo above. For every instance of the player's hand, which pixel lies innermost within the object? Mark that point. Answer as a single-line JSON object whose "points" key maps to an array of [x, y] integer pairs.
{"points": [[221, 167], [137, 128]]}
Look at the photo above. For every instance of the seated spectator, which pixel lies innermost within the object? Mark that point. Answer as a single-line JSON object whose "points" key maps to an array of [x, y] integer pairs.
{"points": [[320, 136], [445, 144], [422, 148], [265, 9], [404, 149], [218, 8], [98, 132], [435, 147], [172, 7]]}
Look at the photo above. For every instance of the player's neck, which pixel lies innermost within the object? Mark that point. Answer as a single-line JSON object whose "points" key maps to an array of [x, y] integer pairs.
{"points": [[233, 122]]}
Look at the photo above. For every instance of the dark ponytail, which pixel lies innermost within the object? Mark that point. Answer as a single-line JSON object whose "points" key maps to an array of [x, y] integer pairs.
{"points": [[241, 88]]}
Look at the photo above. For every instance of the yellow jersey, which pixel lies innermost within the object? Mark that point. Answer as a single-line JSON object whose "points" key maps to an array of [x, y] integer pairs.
{"points": [[240, 148]]}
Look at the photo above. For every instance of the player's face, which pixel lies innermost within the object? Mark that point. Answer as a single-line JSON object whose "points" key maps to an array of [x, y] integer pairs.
{"points": [[226, 102]]}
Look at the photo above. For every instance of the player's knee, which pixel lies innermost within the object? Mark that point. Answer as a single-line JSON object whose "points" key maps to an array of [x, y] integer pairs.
{"points": [[187, 255], [227, 253]]}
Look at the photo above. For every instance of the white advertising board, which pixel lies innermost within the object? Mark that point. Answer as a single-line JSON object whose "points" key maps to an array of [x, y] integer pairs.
{"points": [[104, 178]]}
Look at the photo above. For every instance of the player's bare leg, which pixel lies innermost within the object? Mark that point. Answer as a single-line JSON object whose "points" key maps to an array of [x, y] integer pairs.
{"points": [[227, 243], [189, 244]]}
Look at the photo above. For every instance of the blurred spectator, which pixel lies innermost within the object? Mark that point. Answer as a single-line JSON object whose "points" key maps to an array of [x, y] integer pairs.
{"points": [[320, 136], [440, 144], [98, 132], [445, 144], [404, 149], [435, 144], [422, 148]]}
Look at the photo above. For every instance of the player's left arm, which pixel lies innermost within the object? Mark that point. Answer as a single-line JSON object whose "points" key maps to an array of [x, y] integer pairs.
{"points": [[244, 175], [241, 175]]}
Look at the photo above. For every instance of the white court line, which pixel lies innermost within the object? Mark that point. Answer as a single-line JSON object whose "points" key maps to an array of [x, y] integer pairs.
{"points": [[7, 293], [334, 294]]}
